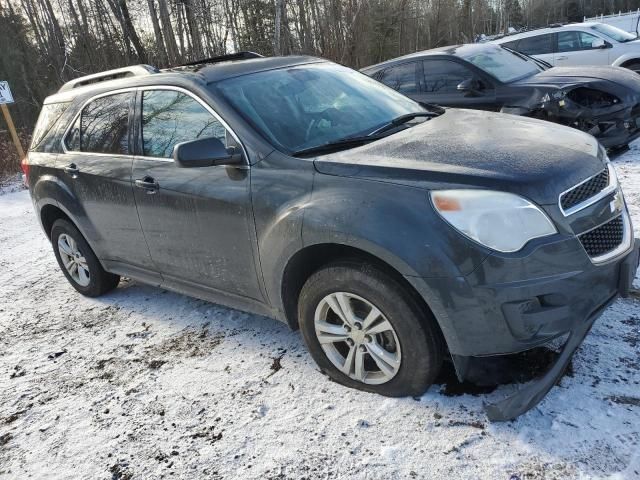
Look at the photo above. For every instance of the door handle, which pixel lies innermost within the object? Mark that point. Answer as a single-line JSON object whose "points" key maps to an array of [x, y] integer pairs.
{"points": [[72, 170], [148, 184], [562, 58]]}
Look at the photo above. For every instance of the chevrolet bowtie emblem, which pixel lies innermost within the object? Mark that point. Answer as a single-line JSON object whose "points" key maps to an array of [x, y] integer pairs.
{"points": [[616, 204]]}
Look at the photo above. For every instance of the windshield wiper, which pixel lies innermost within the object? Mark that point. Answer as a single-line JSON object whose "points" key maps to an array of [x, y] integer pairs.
{"points": [[396, 122], [376, 134], [336, 145]]}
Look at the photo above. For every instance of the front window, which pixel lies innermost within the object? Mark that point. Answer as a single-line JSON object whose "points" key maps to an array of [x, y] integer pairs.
{"points": [[309, 105], [170, 117], [614, 32], [573, 41], [500, 63], [443, 76]]}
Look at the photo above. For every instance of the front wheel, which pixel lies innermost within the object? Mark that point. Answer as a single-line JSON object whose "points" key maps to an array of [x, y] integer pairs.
{"points": [[78, 262], [366, 331], [634, 67]]}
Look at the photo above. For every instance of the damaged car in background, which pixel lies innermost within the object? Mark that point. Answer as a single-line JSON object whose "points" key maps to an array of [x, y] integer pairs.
{"points": [[602, 101]]}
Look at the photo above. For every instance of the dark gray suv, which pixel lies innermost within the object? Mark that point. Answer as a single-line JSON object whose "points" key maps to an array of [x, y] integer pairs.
{"points": [[394, 234]]}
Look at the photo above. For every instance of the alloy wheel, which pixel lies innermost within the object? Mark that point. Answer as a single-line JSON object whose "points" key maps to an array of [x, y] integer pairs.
{"points": [[357, 338], [73, 260]]}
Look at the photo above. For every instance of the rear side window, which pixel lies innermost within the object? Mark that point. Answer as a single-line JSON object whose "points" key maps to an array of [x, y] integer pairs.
{"points": [[538, 45], [49, 115], [444, 76], [401, 78], [103, 126], [170, 117]]}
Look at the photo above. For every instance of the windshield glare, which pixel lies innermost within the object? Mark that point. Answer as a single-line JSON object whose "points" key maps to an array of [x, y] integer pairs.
{"points": [[310, 105], [502, 64], [614, 33]]}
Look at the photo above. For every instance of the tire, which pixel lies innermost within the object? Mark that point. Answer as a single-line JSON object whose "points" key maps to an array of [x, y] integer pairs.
{"points": [[86, 274], [414, 345]]}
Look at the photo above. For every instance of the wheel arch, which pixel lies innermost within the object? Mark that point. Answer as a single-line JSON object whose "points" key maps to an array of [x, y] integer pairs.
{"points": [[311, 258], [49, 213], [626, 60]]}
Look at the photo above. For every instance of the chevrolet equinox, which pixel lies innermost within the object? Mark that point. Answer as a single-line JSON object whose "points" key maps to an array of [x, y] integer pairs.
{"points": [[393, 234]]}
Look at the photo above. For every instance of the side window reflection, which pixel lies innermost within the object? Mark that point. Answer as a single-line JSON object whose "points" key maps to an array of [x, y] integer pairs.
{"points": [[170, 117], [103, 126]]}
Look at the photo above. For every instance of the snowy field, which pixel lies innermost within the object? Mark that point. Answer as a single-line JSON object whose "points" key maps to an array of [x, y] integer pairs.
{"points": [[145, 384]]}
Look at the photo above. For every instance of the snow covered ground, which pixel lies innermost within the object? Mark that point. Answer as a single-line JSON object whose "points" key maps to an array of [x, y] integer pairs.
{"points": [[145, 383]]}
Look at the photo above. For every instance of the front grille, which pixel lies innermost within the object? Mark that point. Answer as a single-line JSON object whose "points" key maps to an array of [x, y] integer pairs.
{"points": [[585, 190], [603, 239]]}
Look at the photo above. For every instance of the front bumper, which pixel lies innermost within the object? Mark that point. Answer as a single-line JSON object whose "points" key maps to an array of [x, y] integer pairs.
{"points": [[616, 132], [514, 303], [529, 396]]}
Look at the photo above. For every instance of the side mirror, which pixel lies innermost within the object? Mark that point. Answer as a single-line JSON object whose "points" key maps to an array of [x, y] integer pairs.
{"points": [[599, 43], [204, 152], [470, 86]]}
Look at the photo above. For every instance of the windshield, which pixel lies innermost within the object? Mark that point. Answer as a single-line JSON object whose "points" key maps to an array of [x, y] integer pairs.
{"points": [[614, 33], [306, 106], [502, 64]]}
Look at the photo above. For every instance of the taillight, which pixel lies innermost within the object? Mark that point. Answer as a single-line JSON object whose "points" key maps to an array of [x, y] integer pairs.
{"points": [[25, 170]]}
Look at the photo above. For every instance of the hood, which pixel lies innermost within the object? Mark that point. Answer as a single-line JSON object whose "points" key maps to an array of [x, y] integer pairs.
{"points": [[469, 148], [561, 76]]}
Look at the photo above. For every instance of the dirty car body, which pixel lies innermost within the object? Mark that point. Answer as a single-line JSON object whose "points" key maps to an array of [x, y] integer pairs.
{"points": [[603, 101], [317, 178]]}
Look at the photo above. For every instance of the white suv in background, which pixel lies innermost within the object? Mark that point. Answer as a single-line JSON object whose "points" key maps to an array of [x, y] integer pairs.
{"points": [[588, 43]]}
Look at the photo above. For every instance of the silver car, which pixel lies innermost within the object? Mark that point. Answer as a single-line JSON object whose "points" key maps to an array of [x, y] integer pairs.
{"points": [[588, 43]]}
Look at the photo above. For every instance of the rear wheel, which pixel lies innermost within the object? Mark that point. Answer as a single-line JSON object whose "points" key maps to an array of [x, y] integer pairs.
{"points": [[365, 331], [78, 262]]}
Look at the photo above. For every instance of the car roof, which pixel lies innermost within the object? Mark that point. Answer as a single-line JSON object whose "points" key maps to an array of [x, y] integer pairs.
{"points": [[459, 51], [201, 73], [543, 31]]}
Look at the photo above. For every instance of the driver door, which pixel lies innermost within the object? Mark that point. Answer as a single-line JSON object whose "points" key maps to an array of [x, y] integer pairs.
{"points": [[197, 221], [439, 80], [575, 48]]}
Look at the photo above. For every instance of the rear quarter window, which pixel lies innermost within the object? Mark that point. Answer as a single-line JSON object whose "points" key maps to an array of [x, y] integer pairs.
{"points": [[49, 116]]}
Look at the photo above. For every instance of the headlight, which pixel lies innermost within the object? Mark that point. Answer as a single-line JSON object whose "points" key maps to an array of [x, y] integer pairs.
{"points": [[498, 220]]}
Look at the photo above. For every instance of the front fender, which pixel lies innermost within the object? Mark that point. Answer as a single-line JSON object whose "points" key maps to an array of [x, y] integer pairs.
{"points": [[395, 223]]}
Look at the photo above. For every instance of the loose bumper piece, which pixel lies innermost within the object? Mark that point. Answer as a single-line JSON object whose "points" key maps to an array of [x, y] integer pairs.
{"points": [[530, 395]]}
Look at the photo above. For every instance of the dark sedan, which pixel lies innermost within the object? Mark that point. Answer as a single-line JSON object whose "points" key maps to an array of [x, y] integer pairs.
{"points": [[602, 101]]}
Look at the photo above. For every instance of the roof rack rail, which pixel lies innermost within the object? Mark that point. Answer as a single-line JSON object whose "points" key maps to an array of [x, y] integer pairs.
{"points": [[132, 71], [223, 58]]}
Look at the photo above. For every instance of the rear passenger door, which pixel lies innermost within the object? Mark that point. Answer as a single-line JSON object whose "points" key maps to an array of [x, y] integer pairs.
{"points": [[197, 221], [402, 78], [96, 167], [575, 48], [539, 46]]}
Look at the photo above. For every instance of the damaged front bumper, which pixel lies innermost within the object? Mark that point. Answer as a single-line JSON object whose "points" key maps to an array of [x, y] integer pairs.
{"points": [[514, 303], [616, 129], [529, 396]]}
